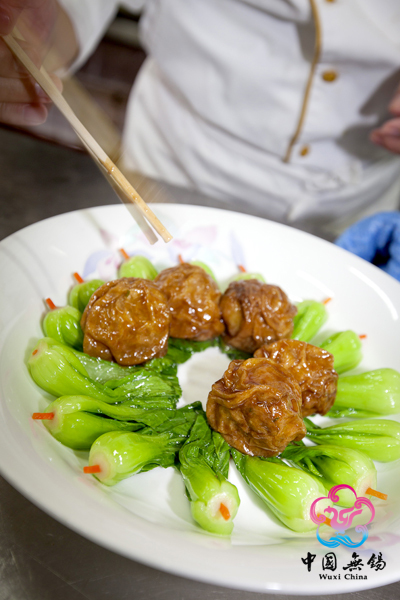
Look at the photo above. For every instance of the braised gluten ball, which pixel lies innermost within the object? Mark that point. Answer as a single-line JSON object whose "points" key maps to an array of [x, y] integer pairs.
{"points": [[256, 407], [255, 313], [312, 368], [193, 302], [126, 320]]}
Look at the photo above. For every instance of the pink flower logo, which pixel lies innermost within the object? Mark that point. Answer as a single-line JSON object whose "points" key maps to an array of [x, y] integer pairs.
{"points": [[341, 520]]}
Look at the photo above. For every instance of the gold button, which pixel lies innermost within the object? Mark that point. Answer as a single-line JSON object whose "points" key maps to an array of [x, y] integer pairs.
{"points": [[329, 76], [304, 150]]}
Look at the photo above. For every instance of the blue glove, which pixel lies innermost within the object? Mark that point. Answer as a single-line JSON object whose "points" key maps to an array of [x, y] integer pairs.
{"points": [[377, 240]]}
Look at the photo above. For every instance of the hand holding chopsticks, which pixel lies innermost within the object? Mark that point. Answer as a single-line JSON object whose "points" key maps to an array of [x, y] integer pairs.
{"points": [[121, 185]]}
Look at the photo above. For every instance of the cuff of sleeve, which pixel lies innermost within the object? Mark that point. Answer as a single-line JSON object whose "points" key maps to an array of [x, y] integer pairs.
{"points": [[90, 19]]}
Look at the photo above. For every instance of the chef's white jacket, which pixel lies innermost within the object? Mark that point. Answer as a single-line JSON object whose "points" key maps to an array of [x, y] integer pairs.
{"points": [[264, 103]]}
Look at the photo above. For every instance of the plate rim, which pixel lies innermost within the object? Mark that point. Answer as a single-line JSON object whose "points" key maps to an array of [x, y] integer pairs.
{"points": [[194, 573]]}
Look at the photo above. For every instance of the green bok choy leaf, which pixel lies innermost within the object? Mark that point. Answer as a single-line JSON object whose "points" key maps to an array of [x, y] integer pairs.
{"points": [[204, 464]]}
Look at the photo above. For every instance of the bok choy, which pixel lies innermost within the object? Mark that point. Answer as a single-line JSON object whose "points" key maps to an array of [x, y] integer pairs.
{"points": [[377, 438], [287, 491], [204, 464]]}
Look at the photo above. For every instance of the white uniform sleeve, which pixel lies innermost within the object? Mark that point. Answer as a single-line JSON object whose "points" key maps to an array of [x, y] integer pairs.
{"points": [[90, 19]]}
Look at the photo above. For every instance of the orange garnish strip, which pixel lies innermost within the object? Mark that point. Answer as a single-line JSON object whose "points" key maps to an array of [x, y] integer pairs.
{"points": [[327, 520], [326, 301], [35, 352], [78, 278], [362, 336], [43, 416], [50, 304], [372, 492], [180, 258], [224, 510], [92, 469], [242, 269], [124, 254]]}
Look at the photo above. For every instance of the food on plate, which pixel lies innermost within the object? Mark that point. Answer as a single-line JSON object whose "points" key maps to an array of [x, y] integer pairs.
{"points": [[254, 314], [346, 348], [206, 268], [55, 368], [204, 465], [377, 438], [179, 351], [244, 275], [311, 316], [58, 370], [126, 320], [77, 421], [371, 394], [101, 371], [80, 294], [117, 455], [193, 298], [335, 465], [63, 324], [288, 492], [118, 397], [311, 367], [256, 407], [138, 266]]}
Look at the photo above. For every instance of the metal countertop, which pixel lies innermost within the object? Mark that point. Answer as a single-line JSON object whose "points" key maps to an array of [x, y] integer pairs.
{"points": [[40, 559]]}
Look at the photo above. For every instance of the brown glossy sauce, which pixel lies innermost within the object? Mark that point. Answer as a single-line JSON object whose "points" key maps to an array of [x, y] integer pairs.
{"points": [[256, 407], [255, 313], [312, 368], [126, 320], [193, 302]]}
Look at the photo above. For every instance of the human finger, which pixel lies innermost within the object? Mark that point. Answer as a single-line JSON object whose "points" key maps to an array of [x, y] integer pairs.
{"points": [[11, 67], [35, 18], [388, 136], [10, 10], [390, 128], [390, 143], [20, 114], [394, 106], [21, 91]]}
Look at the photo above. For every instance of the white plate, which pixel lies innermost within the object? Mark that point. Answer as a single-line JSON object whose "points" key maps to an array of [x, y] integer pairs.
{"points": [[147, 517]]}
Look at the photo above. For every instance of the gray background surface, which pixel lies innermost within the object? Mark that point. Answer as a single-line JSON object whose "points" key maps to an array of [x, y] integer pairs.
{"points": [[40, 559]]}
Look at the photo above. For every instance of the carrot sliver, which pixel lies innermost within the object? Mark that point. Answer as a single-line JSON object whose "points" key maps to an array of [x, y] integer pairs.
{"points": [[78, 278], [224, 512], [180, 258], [242, 269], [326, 301], [35, 352], [92, 469], [43, 416], [327, 520], [50, 304], [372, 492], [124, 254], [362, 336]]}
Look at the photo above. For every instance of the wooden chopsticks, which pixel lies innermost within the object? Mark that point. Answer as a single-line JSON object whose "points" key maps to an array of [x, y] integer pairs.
{"points": [[120, 184]]}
